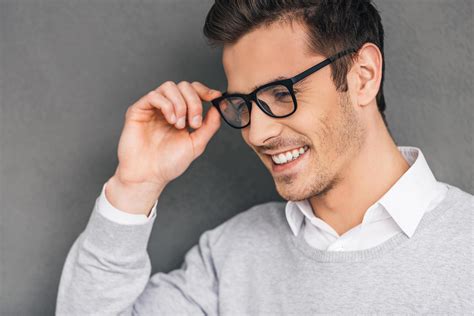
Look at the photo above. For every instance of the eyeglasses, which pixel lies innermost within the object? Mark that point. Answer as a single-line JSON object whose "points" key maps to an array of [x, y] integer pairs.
{"points": [[276, 99]]}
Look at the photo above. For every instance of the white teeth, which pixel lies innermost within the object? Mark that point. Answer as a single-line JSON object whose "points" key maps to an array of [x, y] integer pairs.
{"points": [[282, 158], [289, 155], [276, 159]]}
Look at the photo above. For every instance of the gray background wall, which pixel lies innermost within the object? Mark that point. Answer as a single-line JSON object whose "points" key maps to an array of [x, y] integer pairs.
{"points": [[69, 69]]}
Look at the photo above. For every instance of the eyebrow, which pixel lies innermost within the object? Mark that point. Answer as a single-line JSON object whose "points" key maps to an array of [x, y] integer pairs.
{"points": [[255, 87]]}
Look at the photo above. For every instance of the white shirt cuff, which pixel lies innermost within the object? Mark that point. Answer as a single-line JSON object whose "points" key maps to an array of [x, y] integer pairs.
{"points": [[106, 209]]}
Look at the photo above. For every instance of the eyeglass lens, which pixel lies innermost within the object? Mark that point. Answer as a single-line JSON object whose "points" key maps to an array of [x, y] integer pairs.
{"points": [[276, 100]]}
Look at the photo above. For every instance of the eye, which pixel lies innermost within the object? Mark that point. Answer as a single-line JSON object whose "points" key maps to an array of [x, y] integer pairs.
{"points": [[282, 94]]}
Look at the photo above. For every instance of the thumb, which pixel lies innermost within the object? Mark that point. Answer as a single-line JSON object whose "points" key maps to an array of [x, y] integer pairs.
{"points": [[201, 136]]}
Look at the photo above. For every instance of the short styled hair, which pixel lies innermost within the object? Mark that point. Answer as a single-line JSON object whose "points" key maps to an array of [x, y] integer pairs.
{"points": [[332, 26]]}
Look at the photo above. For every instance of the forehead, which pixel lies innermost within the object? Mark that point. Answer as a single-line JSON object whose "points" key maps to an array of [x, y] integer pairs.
{"points": [[264, 54]]}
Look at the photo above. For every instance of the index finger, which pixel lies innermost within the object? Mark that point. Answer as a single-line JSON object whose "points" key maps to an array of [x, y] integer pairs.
{"points": [[204, 92]]}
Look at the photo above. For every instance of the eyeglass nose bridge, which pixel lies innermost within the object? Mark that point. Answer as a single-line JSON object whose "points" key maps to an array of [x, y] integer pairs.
{"points": [[260, 103]]}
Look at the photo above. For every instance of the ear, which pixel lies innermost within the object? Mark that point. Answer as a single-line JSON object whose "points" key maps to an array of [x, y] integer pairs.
{"points": [[368, 73]]}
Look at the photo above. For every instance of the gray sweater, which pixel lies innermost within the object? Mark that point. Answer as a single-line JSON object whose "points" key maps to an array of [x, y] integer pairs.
{"points": [[252, 264]]}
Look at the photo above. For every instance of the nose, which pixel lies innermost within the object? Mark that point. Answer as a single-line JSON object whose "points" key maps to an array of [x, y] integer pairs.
{"points": [[262, 126]]}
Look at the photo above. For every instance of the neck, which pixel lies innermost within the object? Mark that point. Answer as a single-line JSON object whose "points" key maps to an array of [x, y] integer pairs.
{"points": [[365, 178]]}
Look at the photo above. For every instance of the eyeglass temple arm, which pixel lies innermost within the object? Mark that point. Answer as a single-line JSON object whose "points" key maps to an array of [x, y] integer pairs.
{"points": [[340, 54], [322, 64]]}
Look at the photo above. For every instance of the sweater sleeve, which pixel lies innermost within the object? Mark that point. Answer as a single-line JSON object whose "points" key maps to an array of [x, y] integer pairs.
{"points": [[107, 272]]}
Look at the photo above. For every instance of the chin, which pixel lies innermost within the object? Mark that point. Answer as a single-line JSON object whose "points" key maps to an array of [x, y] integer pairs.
{"points": [[290, 190]]}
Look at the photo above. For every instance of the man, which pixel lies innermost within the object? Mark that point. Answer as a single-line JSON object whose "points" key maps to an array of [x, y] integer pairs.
{"points": [[367, 228]]}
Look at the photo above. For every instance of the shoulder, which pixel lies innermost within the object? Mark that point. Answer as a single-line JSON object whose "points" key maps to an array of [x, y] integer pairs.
{"points": [[460, 198], [459, 206]]}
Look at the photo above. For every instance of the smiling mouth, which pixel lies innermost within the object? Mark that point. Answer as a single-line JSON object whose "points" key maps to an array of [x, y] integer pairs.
{"points": [[288, 156]]}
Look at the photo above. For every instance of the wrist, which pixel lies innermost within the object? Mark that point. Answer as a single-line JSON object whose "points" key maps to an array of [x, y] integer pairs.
{"points": [[133, 198]]}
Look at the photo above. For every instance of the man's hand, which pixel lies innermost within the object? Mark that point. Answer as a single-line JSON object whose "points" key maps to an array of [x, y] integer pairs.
{"points": [[155, 146]]}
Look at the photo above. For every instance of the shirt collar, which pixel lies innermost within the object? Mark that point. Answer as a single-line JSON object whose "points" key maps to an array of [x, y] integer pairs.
{"points": [[406, 201]]}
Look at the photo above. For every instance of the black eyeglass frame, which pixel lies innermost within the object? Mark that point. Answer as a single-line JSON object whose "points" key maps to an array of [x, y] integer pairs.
{"points": [[288, 83]]}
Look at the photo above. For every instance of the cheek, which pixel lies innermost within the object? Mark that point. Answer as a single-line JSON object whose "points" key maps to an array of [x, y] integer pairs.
{"points": [[313, 118], [316, 101]]}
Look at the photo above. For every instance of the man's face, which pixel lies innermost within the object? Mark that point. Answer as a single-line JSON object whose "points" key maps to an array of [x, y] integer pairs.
{"points": [[325, 121]]}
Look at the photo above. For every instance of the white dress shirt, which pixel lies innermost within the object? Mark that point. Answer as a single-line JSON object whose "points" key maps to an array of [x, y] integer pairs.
{"points": [[399, 209], [105, 208]]}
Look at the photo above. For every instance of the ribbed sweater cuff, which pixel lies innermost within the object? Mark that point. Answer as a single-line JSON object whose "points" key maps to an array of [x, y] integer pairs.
{"points": [[116, 239]]}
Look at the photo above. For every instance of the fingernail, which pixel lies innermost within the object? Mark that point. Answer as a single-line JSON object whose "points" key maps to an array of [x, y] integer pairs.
{"points": [[173, 118], [197, 120], [181, 122]]}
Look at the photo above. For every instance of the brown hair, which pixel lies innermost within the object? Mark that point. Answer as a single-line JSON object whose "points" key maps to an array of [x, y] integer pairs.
{"points": [[333, 25]]}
